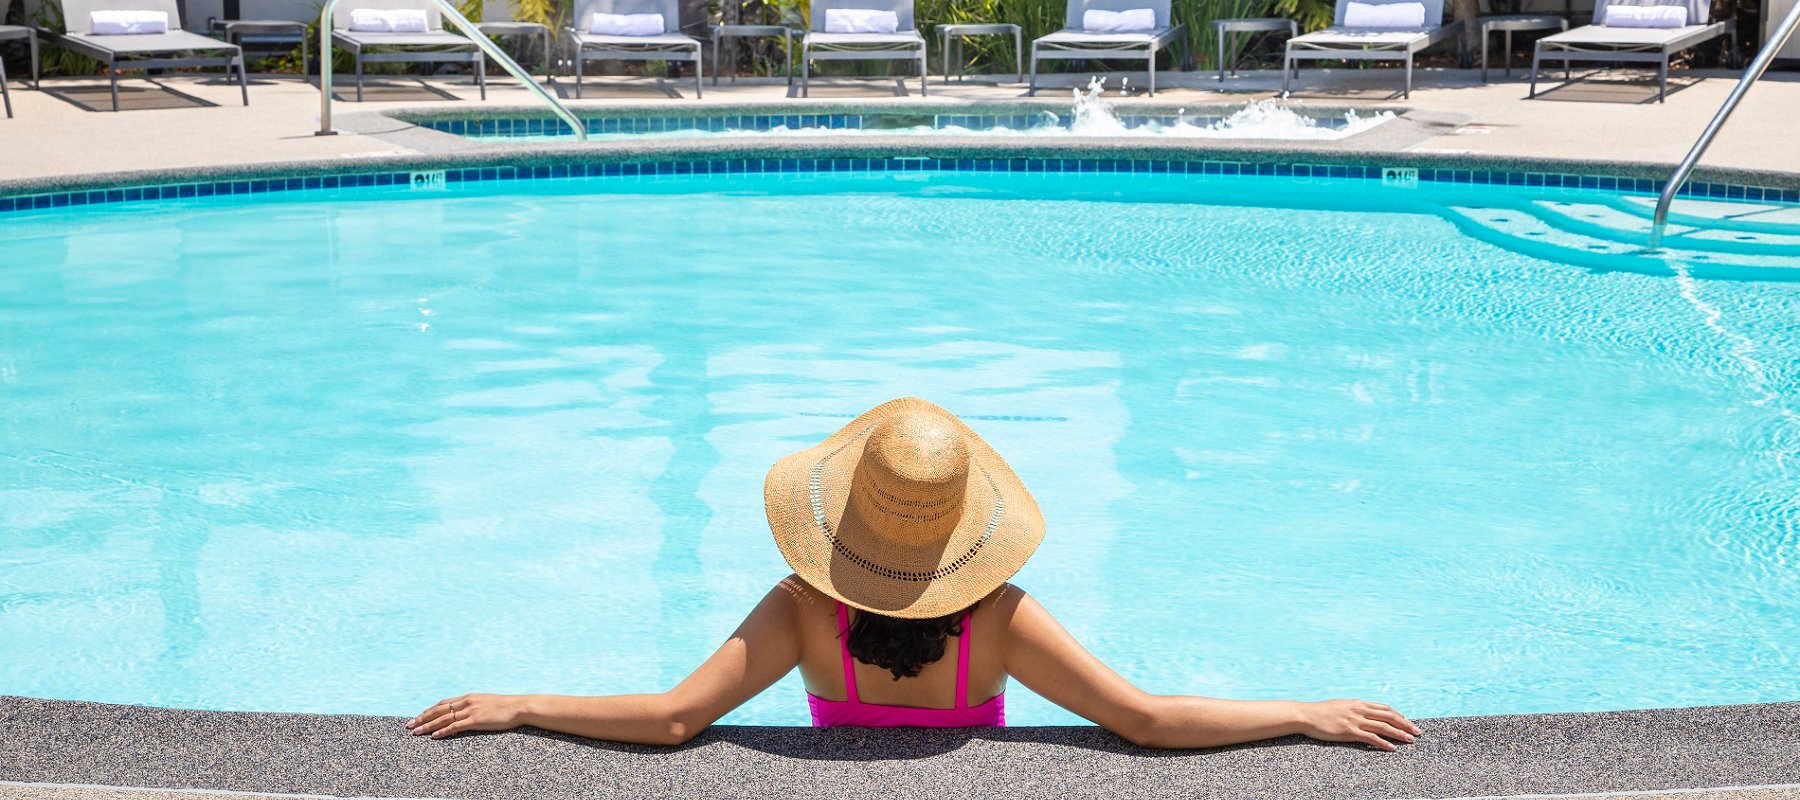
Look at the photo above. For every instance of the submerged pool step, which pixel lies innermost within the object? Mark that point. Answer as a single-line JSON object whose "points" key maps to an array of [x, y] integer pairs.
{"points": [[1536, 232], [1606, 220], [1719, 214]]}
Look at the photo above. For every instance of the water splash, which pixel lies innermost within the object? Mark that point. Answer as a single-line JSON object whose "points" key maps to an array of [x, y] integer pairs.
{"points": [[1092, 115]]}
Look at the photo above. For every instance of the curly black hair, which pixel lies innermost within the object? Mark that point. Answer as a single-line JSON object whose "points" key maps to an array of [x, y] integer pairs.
{"points": [[901, 646]]}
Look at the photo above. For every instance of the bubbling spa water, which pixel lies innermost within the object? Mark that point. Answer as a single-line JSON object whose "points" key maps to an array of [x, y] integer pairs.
{"points": [[1089, 115]]}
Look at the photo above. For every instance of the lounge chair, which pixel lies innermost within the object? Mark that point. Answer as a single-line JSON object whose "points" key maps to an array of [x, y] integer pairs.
{"points": [[670, 45], [268, 27], [497, 20], [821, 44], [167, 50], [1602, 42], [9, 33], [433, 45], [1076, 43], [1347, 39]]}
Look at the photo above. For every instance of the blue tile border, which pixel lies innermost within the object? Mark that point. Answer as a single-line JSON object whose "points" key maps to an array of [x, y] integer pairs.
{"points": [[840, 164]]}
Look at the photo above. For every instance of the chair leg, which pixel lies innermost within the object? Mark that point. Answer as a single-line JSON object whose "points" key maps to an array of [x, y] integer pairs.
{"points": [[243, 80], [549, 60], [1150, 64], [699, 69], [359, 93], [1031, 88], [716, 37], [1662, 79], [787, 57], [1221, 55], [1019, 56], [1287, 69], [481, 73], [112, 71], [578, 63], [922, 89], [1507, 58], [37, 63], [1537, 60], [944, 49], [1407, 93], [805, 69], [5, 93], [1484, 55]]}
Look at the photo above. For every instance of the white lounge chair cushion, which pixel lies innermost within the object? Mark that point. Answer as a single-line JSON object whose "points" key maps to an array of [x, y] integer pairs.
{"points": [[1624, 16], [388, 20], [626, 25], [861, 20], [1131, 20], [127, 23], [1384, 15]]}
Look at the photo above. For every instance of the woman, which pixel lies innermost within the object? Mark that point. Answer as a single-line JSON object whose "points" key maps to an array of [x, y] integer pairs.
{"points": [[902, 529]]}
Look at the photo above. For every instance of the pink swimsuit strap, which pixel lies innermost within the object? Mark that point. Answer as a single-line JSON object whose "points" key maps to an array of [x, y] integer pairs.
{"points": [[962, 657], [852, 711]]}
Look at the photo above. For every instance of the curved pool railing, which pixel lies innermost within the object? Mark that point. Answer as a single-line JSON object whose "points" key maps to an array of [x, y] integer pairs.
{"points": [[468, 29], [1769, 50]]}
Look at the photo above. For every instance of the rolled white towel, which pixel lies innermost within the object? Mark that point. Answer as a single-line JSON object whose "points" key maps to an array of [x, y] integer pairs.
{"points": [[1131, 20], [1624, 16], [1384, 15], [125, 23], [407, 20], [626, 25], [371, 20], [861, 20]]}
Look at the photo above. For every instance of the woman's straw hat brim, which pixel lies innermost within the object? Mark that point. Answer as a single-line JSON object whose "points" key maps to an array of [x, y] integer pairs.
{"points": [[863, 562]]}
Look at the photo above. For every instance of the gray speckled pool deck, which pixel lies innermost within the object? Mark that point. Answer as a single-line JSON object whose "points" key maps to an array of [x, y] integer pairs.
{"points": [[66, 742]]}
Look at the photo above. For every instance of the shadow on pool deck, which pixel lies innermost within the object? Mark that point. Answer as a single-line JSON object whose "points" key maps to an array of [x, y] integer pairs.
{"points": [[65, 742]]}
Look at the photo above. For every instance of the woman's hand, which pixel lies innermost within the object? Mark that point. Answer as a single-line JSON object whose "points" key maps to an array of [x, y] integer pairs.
{"points": [[1356, 721], [470, 712]]}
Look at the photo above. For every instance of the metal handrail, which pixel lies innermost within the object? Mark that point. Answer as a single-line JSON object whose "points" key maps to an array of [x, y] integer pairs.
{"points": [[475, 35], [1680, 176]]}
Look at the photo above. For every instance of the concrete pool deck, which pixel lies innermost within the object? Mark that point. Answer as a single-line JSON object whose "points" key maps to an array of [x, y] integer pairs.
{"points": [[66, 750], [189, 121]]}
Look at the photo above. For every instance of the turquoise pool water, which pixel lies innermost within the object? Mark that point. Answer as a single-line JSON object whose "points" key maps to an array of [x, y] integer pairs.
{"points": [[354, 454]]}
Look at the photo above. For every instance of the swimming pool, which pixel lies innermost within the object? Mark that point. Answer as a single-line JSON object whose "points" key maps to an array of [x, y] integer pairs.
{"points": [[354, 452]]}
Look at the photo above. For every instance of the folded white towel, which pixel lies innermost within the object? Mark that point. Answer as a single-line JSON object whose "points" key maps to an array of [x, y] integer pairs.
{"points": [[1131, 20], [626, 25], [1384, 15], [860, 20], [368, 20], [387, 20], [1624, 16], [124, 23], [407, 20]]}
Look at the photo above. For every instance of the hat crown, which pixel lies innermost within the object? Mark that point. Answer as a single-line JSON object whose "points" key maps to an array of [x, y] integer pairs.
{"points": [[912, 476]]}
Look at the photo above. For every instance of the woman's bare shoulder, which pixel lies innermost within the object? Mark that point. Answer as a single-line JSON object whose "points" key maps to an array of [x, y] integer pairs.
{"points": [[803, 596], [1002, 603]]}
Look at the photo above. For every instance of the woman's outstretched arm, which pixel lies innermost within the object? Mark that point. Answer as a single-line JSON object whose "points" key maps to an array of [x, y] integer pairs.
{"points": [[764, 648], [1050, 662]]}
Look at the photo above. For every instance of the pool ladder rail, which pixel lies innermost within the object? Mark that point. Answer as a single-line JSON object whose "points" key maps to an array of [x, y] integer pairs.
{"points": [[1751, 73], [462, 23]]}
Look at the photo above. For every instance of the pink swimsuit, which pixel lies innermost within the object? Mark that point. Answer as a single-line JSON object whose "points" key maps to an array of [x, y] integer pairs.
{"points": [[851, 711]]}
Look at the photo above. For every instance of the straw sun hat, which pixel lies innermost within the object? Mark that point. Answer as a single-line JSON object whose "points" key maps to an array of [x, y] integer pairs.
{"points": [[904, 512]]}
